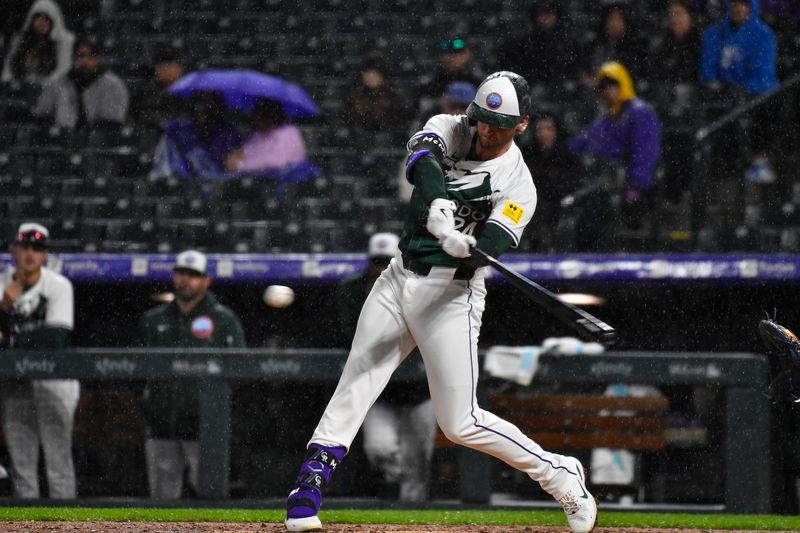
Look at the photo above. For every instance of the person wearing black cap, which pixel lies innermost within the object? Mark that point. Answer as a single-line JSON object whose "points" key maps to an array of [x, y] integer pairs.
{"points": [[194, 319], [38, 310], [471, 188], [87, 95]]}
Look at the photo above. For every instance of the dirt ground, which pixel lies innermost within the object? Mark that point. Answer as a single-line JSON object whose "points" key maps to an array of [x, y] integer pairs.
{"points": [[222, 527]]}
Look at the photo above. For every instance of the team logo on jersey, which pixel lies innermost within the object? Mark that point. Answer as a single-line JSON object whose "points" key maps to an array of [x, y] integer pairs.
{"points": [[202, 327], [494, 100], [513, 212]]}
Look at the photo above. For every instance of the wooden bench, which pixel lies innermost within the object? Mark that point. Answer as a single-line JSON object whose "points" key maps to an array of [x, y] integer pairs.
{"points": [[583, 421]]}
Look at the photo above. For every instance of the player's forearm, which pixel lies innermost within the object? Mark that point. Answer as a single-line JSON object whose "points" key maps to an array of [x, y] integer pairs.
{"points": [[427, 176], [494, 240]]}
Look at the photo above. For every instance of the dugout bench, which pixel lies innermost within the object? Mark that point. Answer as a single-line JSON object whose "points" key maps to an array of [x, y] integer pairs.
{"points": [[565, 423], [743, 377]]}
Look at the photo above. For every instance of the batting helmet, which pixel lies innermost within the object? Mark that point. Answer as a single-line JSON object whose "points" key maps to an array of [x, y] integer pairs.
{"points": [[502, 100]]}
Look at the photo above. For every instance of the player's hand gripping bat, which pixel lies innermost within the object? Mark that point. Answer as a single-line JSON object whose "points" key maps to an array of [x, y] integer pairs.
{"points": [[588, 326]]}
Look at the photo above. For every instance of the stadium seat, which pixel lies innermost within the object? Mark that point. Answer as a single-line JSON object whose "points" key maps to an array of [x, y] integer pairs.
{"points": [[8, 134], [14, 109], [119, 161]]}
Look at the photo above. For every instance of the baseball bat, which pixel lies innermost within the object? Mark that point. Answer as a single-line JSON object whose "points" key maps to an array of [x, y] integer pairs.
{"points": [[588, 326]]}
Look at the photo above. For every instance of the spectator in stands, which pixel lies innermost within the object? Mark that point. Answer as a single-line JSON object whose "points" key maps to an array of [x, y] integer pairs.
{"points": [[676, 51], [457, 63], [630, 135], [618, 41], [740, 52], [675, 57], [38, 309], [556, 173], [273, 144], [545, 52], [454, 101], [87, 95], [193, 320], [42, 50], [197, 148], [373, 106], [400, 428], [152, 105]]}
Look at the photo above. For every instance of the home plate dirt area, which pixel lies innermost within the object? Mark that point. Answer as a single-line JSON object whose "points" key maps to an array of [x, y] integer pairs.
{"points": [[223, 527]]}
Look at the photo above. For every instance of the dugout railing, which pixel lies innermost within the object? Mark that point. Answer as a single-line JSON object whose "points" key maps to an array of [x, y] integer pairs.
{"points": [[742, 376]]}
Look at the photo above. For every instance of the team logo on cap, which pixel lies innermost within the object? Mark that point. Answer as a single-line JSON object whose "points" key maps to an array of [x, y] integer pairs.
{"points": [[202, 327], [494, 100]]}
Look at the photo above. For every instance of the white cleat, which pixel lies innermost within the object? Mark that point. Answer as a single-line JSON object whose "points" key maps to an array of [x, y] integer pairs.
{"points": [[579, 505], [310, 523]]}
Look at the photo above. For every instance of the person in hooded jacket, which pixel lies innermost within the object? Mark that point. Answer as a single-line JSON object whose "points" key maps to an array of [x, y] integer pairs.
{"points": [[627, 136], [42, 50], [738, 60], [740, 50]]}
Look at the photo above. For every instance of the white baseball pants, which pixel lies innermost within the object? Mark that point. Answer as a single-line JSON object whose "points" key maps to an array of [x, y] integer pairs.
{"points": [[442, 317], [41, 413]]}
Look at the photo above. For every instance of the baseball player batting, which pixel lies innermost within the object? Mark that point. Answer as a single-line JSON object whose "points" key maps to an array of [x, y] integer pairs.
{"points": [[471, 186]]}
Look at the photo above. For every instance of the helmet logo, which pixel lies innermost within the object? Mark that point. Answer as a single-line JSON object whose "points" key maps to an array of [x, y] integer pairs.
{"points": [[494, 100]]}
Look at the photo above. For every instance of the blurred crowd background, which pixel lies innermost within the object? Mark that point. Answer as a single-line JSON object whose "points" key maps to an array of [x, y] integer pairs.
{"points": [[89, 166]]}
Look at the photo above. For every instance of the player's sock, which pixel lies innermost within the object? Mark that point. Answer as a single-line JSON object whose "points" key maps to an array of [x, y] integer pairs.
{"points": [[306, 498]]}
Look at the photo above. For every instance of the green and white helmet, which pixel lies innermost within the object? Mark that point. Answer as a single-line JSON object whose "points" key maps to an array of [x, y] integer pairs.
{"points": [[502, 100]]}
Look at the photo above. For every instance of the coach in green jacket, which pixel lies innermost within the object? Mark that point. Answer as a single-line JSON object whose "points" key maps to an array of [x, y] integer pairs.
{"points": [[193, 320]]}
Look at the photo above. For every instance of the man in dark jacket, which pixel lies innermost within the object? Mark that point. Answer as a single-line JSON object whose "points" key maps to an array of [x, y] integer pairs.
{"points": [[193, 320]]}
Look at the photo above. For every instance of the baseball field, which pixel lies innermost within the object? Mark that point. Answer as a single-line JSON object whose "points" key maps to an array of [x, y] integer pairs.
{"points": [[96, 520]]}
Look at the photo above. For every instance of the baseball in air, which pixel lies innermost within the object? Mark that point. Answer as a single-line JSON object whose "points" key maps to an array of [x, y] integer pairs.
{"points": [[278, 296]]}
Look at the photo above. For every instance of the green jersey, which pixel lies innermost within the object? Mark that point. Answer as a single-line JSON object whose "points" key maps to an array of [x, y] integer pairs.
{"points": [[170, 407], [499, 191]]}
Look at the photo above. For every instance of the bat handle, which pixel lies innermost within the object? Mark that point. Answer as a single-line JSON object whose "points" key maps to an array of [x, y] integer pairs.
{"points": [[478, 257]]}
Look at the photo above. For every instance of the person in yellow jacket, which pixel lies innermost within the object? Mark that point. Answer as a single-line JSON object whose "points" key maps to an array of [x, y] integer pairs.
{"points": [[629, 134]]}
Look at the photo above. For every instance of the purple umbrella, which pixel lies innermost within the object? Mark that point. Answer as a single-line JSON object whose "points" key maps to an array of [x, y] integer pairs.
{"points": [[241, 89]]}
